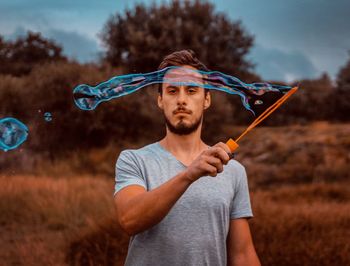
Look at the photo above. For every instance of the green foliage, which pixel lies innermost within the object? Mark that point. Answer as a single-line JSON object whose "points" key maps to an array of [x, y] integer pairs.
{"points": [[342, 106], [139, 38], [135, 118], [313, 101], [20, 56], [48, 88]]}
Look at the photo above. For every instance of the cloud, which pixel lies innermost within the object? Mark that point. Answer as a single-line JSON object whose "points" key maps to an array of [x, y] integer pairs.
{"points": [[75, 45], [317, 28], [18, 32], [274, 64]]}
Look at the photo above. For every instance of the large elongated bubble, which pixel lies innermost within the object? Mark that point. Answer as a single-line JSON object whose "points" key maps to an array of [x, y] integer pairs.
{"points": [[252, 95], [12, 133]]}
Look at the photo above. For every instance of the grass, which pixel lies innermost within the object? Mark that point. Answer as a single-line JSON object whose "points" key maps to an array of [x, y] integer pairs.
{"points": [[40, 215], [70, 221], [295, 154], [303, 224]]}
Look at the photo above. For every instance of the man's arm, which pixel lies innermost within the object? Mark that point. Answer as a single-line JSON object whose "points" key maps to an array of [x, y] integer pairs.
{"points": [[240, 247], [138, 209]]}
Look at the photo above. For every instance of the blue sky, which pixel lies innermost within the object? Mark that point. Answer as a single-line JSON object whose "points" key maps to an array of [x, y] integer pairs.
{"points": [[293, 38]]}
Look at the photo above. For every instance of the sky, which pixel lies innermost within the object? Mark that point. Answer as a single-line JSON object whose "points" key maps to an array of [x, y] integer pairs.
{"points": [[294, 39]]}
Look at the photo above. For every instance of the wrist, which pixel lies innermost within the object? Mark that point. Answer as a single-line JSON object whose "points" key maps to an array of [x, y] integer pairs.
{"points": [[188, 177]]}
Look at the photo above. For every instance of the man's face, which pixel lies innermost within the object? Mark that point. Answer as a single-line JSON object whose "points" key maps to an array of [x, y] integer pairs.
{"points": [[182, 104]]}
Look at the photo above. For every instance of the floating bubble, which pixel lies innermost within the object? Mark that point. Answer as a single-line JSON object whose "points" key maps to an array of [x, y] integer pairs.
{"points": [[89, 97], [48, 117], [12, 133]]}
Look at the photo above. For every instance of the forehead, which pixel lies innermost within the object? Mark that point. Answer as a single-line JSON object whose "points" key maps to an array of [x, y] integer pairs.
{"points": [[183, 74]]}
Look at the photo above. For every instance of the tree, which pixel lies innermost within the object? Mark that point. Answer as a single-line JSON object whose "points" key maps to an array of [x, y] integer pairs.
{"points": [[140, 38], [20, 56], [342, 95], [312, 102]]}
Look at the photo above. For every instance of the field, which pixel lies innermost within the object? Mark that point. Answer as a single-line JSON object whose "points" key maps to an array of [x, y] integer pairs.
{"points": [[300, 191]]}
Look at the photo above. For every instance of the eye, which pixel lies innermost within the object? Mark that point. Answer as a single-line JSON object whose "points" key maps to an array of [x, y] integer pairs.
{"points": [[171, 90], [192, 90]]}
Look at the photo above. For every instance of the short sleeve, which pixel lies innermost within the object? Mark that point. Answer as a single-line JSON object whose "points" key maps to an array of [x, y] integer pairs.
{"points": [[241, 207], [127, 172]]}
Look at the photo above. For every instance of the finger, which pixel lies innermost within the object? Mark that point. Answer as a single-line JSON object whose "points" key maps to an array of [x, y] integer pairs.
{"points": [[216, 162], [224, 146], [210, 170], [219, 153]]}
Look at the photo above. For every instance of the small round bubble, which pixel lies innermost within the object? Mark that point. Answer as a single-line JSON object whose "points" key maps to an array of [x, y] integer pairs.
{"points": [[48, 117]]}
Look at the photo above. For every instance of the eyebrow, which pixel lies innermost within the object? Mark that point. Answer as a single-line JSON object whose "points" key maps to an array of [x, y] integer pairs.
{"points": [[192, 86], [171, 87], [176, 87]]}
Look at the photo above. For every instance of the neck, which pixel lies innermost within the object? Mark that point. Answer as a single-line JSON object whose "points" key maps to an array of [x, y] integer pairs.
{"points": [[184, 147]]}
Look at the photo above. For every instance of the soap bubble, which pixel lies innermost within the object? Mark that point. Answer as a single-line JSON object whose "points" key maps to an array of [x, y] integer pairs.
{"points": [[12, 133], [255, 96], [48, 117]]}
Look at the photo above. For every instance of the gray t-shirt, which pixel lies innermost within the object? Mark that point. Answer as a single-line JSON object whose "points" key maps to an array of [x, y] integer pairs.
{"points": [[194, 232]]}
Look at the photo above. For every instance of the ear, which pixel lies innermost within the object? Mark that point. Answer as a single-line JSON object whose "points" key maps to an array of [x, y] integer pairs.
{"points": [[207, 100], [160, 101]]}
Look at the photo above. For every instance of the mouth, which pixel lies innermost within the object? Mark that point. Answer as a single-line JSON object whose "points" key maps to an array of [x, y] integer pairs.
{"points": [[182, 112]]}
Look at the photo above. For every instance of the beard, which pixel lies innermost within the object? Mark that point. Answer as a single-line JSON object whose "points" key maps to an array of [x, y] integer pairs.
{"points": [[181, 128]]}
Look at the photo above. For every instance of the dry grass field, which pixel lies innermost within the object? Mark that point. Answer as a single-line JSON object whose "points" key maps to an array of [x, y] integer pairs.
{"points": [[317, 152], [300, 191], [41, 215], [46, 221]]}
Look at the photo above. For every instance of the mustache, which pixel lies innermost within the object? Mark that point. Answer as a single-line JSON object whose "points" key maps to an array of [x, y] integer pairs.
{"points": [[182, 110]]}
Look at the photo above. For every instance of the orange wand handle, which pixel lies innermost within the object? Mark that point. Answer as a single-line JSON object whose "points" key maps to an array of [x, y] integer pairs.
{"points": [[233, 145]]}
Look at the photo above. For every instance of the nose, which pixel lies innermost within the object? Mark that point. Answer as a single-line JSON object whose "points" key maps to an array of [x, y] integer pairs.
{"points": [[182, 97]]}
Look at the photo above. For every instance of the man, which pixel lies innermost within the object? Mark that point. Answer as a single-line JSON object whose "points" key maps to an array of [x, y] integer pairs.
{"points": [[181, 201]]}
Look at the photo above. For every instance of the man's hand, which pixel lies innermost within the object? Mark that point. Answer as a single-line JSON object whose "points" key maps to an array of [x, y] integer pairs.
{"points": [[209, 162]]}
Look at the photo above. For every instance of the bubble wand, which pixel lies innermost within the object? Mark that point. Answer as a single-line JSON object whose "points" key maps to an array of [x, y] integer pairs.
{"points": [[233, 144]]}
